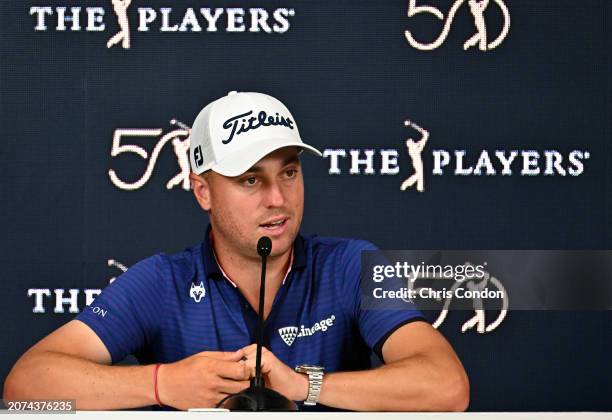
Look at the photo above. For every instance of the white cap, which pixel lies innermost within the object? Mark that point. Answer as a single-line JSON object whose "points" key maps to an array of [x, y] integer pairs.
{"points": [[234, 132]]}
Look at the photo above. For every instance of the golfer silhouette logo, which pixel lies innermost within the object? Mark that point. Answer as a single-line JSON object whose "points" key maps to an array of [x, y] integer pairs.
{"points": [[477, 7], [181, 150], [123, 35], [478, 320], [415, 149], [114, 263]]}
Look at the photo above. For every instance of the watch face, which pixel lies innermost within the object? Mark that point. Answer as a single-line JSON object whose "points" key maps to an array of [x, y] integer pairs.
{"points": [[310, 368]]}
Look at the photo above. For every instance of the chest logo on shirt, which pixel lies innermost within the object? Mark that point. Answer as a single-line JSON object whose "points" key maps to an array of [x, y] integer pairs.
{"points": [[197, 292], [289, 334]]}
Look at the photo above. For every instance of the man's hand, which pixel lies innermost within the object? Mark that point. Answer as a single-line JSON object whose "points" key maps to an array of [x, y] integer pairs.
{"points": [[278, 376], [202, 380]]}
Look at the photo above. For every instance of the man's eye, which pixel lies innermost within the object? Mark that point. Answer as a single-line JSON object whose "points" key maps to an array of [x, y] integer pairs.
{"points": [[291, 173], [250, 181]]}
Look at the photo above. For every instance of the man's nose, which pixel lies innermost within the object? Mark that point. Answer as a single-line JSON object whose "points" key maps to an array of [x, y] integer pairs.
{"points": [[274, 195]]}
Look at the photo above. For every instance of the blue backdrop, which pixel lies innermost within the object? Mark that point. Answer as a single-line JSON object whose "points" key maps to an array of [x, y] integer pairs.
{"points": [[517, 78]]}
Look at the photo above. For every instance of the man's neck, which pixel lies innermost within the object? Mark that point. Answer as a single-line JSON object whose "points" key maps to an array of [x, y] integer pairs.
{"points": [[245, 272]]}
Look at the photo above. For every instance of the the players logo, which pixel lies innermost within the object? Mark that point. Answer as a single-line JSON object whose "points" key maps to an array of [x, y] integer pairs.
{"points": [[458, 162], [165, 20], [288, 334], [197, 292], [477, 8]]}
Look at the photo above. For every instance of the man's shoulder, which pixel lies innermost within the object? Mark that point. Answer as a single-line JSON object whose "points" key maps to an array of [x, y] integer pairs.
{"points": [[175, 266], [331, 245], [183, 265], [337, 262]]}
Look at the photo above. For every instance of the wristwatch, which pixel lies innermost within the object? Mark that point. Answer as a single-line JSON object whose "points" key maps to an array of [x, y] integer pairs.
{"points": [[315, 380]]}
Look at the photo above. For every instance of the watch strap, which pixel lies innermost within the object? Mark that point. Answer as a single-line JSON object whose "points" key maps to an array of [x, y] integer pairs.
{"points": [[315, 382]]}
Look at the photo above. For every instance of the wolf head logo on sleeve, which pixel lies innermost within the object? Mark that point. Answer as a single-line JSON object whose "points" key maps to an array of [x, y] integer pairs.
{"points": [[197, 292]]}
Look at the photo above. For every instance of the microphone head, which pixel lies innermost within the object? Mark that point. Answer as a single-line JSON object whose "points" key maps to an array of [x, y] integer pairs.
{"points": [[264, 246]]}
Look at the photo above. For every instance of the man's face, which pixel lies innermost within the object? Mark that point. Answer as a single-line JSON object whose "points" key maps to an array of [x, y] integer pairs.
{"points": [[267, 200]]}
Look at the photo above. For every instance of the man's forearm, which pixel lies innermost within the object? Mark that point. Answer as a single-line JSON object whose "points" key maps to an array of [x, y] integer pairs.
{"points": [[51, 375], [412, 384]]}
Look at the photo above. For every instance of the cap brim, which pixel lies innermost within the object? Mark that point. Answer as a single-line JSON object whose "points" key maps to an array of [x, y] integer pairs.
{"points": [[256, 152]]}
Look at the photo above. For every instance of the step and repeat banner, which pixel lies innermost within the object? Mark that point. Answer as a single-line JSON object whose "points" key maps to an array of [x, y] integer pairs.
{"points": [[444, 125]]}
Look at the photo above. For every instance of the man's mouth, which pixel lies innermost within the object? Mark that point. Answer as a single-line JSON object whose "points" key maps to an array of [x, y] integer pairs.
{"points": [[275, 226]]}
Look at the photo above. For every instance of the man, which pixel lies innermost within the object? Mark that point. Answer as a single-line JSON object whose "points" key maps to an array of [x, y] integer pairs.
{"points": [[190, 317]]}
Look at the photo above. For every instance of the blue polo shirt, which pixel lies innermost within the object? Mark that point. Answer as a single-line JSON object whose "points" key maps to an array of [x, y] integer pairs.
{"points": [[168, 307]]}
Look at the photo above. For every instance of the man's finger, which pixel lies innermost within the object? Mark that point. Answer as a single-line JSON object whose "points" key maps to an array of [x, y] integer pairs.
{"points": [[232, 370], [230, 356], [250, 368], [251, 348], [265, 364]]}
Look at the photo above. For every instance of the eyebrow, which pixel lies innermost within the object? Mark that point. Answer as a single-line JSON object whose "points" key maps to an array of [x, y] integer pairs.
{"points": [[287, 161]]}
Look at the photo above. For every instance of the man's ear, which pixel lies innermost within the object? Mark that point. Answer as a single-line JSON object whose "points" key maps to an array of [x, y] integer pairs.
{"points": [[201, 189]]}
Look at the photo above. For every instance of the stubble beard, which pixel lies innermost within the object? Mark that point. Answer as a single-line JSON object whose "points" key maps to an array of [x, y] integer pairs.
{"points": [[233, 237]]}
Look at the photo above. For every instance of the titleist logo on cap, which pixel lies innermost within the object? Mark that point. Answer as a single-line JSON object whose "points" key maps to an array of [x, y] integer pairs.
{"points": [[239, 126]]}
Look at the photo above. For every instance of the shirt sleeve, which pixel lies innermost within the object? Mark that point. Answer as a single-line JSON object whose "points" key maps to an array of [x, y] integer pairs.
{"points": [[379, 318], [126, 315]]}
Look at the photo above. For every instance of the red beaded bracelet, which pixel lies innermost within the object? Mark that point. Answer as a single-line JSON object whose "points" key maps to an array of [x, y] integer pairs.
{"points": [[155, 384]]}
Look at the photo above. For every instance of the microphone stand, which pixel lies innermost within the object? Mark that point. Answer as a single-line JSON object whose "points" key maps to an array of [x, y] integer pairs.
{"points": [[257, 397]]}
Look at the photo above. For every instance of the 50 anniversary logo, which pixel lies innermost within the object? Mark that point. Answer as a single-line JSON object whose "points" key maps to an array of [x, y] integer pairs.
{"points": [[477, 8]]}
